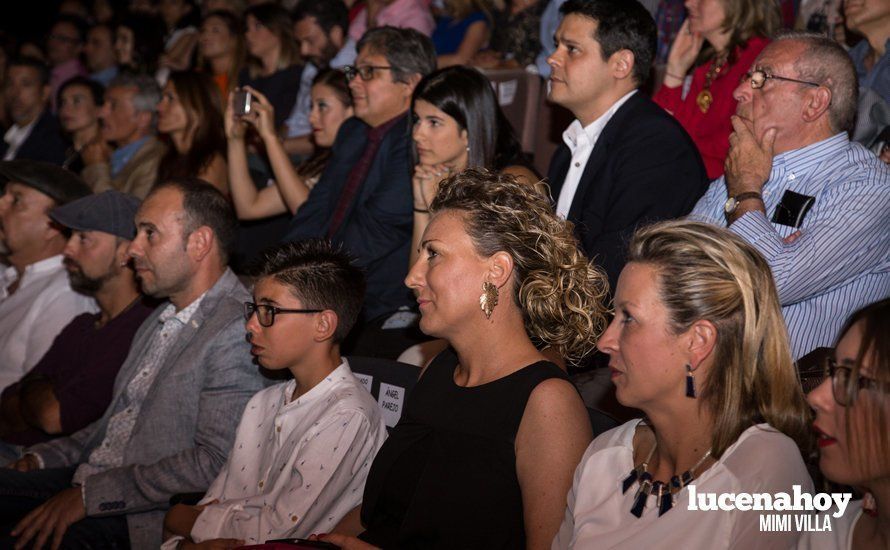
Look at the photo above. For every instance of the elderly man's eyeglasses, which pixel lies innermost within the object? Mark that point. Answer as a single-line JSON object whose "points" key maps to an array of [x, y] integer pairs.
{"points": [[759, 78], [265, 313], [844, 389], [364, 71]]}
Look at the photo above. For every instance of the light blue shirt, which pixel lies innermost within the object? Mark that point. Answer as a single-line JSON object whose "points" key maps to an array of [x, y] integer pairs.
{"points": [[122, 155], [298, 121], [841, 262], [550, 19]]}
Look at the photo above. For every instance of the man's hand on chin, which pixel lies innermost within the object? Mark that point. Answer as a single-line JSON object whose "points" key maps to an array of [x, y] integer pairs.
{"points": [[50, 520]]}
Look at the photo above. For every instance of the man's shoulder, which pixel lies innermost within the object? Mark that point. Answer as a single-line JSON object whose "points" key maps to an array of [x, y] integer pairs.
{"points": [[640, 116]]}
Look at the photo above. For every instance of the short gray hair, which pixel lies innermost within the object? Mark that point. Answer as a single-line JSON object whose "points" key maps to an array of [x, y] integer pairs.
{"points": [[825, 61], [407, 51], [148, 93]]}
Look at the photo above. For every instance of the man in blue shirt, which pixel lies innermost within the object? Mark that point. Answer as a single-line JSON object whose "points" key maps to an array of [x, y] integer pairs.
{"points": [[812, 202]]}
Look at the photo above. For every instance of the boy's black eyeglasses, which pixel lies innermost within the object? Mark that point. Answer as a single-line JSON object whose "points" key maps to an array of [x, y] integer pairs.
{"points": [[265, 314]]}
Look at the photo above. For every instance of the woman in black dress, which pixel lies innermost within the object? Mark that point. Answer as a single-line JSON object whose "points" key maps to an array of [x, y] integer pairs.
{"points": [[484, 452]]}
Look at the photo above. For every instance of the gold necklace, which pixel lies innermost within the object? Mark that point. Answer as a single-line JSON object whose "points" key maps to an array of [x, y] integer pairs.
{"points": [[705, 98]]}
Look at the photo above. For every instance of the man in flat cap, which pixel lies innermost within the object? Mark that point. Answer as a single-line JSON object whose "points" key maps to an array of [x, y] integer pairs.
{"points": [[70, 387], [36, 301]]}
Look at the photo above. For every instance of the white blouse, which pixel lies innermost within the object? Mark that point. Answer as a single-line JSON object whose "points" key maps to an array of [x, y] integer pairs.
{"points": [[297, 467], [763, 460], [841, 535]]}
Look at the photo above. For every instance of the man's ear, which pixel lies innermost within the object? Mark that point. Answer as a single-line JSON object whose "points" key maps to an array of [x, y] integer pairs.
{"points": [[200, 243], [622, 64], [337, 36], [144, 120], [411, 83], [818, 102], [121, 258], [326, 324], [45, 93]]}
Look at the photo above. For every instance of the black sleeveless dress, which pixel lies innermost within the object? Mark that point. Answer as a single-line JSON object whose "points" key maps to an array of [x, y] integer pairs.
{"points": [[446, 476]]}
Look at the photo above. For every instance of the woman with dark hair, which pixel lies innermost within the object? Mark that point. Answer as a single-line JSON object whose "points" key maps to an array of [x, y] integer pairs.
{"points": [[190, 119], [181, 19], [718, 42], [458, 124], [331, 105], [221, 49], [482, 456], [79, 101], [853, 426], [138, 42], [273, 63]]}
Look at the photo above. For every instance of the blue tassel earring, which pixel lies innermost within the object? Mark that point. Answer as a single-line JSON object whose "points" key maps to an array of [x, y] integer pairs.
{"points": [[690, 381]]}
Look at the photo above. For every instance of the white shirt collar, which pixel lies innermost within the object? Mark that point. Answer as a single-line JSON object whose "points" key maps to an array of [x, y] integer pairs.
{"points": [[9, 275], [16, 135], [575, 132]]}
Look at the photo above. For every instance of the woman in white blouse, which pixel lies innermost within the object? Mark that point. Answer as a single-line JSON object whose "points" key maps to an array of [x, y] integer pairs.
{"points": [[853, 425], [698, 343]]}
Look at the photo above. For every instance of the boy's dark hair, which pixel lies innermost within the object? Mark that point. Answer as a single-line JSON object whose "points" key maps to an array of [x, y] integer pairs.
{"points": [[621, 25], [34, 63], [327, 13], [204, 204], [320, 275]]}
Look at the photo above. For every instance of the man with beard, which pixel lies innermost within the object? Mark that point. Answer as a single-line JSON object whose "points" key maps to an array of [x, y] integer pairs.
{"points": [[36, 301], [71, 386], [171, 421], [321, 27]]}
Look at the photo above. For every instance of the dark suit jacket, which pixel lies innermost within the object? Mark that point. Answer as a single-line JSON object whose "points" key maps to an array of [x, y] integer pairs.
{"points": [[643, 168], [376, 229], [44, 143]]}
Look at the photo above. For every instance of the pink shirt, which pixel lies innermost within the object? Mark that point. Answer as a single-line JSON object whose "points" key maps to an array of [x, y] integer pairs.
{"points": [[413, 14]]}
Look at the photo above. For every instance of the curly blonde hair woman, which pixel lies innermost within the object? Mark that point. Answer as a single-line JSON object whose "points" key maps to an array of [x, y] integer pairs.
{"points": [[698, 343], [484, 452]]}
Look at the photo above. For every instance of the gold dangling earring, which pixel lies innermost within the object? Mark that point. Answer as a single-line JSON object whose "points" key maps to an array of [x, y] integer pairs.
{"points": [[489, 298]]}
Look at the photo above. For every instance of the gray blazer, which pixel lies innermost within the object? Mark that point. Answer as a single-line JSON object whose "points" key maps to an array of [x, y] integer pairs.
{"points": [[186, 427]]}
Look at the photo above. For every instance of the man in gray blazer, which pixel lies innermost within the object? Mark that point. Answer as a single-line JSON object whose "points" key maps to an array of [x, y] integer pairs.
{"points": [[177, 398]]}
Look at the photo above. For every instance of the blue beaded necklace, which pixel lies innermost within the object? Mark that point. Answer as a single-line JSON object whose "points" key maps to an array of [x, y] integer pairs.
{"points": [[664, 492]]}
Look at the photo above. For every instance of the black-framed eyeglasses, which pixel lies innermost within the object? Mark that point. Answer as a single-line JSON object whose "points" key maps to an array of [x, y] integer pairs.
{"points": [[364, 71], [759, 78], [265, 314], [842, 388]]}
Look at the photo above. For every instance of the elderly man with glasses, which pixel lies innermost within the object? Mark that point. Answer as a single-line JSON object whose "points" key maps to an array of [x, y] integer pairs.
{"points": [[363, 200], [811, 201]]}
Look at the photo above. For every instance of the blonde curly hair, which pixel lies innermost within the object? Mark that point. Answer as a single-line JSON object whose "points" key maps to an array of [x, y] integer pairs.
{"points": [[562, 295]]}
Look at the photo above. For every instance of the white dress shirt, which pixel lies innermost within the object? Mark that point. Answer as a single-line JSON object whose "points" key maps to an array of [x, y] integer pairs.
{"points": [[598, 513], [296, 467], [15, 136], [31, 318], [581, 141]]}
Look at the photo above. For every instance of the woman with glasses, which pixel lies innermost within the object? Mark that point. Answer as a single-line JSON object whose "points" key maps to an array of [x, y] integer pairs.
{"points": [[483, 454], [852, 423], [303, 448], [698, 344], [718, 42]]}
